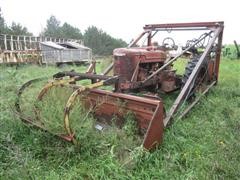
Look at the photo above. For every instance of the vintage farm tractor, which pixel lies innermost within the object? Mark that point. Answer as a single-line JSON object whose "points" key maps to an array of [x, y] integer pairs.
{"points": [[142, 75]]}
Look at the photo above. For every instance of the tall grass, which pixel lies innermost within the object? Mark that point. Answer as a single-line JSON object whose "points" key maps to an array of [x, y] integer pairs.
{"points": [[204, 145]]}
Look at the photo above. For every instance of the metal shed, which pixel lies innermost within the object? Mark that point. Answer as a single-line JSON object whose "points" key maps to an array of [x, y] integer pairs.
{"points": [[67, 52]]}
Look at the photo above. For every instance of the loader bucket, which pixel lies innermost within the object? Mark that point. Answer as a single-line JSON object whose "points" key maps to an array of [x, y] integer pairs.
{"points": [[147, 112]]}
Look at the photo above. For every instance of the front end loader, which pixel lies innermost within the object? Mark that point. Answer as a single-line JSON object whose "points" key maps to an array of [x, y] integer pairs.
{"points": [[143, 76]]}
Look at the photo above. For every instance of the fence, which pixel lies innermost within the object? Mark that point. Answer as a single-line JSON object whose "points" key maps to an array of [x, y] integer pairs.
{"points": [[20, 49]]}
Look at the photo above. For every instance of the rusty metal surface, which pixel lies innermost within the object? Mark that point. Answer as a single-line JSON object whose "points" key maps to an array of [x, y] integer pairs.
{"points": [[154, 135], [173, 59], [184, 25], [80, 76], [217, 34]]}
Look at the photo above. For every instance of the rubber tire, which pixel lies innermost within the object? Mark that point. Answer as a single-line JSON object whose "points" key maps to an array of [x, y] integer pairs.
{"points": [[188, 71], [189, 68]]}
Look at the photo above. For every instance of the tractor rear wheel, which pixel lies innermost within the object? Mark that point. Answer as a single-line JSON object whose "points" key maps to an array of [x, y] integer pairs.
{"points": [[200, 77]]}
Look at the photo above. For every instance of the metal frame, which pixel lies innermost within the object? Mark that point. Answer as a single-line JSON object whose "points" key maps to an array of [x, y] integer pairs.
{"points": [[217, 34], [215, 28]]}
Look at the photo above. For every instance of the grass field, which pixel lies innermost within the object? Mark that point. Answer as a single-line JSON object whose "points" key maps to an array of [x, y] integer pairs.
{"points": [[204, 145]]}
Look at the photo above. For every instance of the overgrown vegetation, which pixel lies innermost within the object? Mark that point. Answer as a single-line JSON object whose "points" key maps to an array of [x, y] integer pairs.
{"points": [[204, 145]]}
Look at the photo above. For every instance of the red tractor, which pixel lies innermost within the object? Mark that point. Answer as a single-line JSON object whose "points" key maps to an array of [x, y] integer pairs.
{"points": [[143, 74]]}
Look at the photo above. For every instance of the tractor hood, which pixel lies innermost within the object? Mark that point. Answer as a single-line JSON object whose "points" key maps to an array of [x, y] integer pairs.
{"points": [[148, 52]]}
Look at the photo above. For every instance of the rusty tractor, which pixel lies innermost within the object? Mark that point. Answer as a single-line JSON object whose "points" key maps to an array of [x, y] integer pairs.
{"points": [[143, 74]]}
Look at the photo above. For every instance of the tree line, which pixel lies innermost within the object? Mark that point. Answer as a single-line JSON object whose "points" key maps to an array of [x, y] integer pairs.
{"points": [[99, 41]]}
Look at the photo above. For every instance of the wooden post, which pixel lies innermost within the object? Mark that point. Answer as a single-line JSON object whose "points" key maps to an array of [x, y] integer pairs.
{"points": [[40, 40], [5, 41], [36, 43], [15, 45], [11, 42], [30, 42], [18, 43], [24, 41], [21, 43]]}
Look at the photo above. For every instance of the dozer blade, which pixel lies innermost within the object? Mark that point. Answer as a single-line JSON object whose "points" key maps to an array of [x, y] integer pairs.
{"points": [[147, 112]]}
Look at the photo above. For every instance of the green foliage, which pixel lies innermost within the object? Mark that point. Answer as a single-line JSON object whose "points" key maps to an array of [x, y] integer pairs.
{"points": [[53, 28], [130, 126], [101, 42], [18, 29], [70, 32]]}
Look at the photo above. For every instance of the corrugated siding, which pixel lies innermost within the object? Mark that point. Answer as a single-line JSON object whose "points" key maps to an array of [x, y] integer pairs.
{"points": [[51, 55]]}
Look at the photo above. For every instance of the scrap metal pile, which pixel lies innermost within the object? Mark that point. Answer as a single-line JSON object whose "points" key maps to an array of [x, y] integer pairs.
{"points": [[143, 74]]}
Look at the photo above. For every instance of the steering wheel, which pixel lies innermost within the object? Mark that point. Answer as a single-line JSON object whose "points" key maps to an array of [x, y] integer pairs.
{"points": [[168, 42]]}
